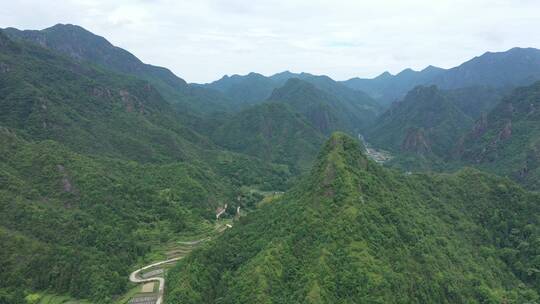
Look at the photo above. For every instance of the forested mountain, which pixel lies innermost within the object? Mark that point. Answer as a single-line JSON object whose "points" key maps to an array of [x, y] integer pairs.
{"points": [[354, 232], [325, 111], [94, 167], [477, 100], [80, 44], [256, 88], [515, 67], [104, 157], [273, 132], [244, 90], [87, 108], [499, 70], [427, 122], [507, 140], [290, 127], [389, 88]]}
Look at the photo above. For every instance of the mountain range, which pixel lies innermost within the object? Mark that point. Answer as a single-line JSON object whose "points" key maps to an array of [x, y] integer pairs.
{"points": [[94, 164], [82, 45], [506, 70], [106, 160]]}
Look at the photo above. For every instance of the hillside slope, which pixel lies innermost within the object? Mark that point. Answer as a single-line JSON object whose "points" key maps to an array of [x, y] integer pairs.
{"points": [[354, 232], [95, 170], [507, 140], [82, 45], [272, 132], [515, 67], [425, 123], [90, 110], [325, 111]]}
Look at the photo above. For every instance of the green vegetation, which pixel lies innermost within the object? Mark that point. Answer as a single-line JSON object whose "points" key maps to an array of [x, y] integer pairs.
{"points": [[107, 163], [426, 123], [327, 112], [355, 232], [244, 90], [507, 140], [96, 169], [256, 88], [91, 218], [490, 72], [90, 110], [272, 132], [82, 45]]}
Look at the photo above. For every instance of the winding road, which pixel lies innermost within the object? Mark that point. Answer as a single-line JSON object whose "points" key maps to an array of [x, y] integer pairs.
{"points": [[134, 277]]}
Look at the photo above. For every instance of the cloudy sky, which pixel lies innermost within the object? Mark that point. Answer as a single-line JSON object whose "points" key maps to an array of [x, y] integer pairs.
{"points": [[202, 40]]}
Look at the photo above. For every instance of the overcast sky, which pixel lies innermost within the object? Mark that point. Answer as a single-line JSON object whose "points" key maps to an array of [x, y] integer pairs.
{"points": [[202, 40]]}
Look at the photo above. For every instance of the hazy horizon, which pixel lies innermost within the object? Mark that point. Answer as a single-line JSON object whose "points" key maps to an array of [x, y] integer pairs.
{"points": [[203, 41]]}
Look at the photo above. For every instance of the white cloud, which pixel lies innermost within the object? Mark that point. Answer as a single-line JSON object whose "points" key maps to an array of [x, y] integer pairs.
{"points": [[204, 39]]}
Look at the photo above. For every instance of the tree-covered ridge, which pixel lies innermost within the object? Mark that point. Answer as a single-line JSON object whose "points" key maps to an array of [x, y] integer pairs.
{"points": [[323, 110], [388, 88], [90, 110], [244, 90], [476, 100], [427, 123], [496, 70], [354, 232], [273, 132], [82, 45], [256, 88], [512, 68], [507, 140]]}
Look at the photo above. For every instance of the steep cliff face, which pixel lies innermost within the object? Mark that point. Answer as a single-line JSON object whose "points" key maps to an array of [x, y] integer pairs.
{"points": [[415, 142]]}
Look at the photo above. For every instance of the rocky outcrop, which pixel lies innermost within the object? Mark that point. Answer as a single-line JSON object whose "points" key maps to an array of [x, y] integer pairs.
{"points": [[416, 142], [506, 132], [66, 182], [480, 127]]}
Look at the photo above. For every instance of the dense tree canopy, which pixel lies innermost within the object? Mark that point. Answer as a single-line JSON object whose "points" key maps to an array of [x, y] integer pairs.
{"points": [[355, 232]]}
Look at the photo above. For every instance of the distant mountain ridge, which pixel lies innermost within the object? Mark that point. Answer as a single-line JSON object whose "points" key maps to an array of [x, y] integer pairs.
{"points": [[344, 109], [389, 88], [254, 87], [509, 69], [81, 44]]}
